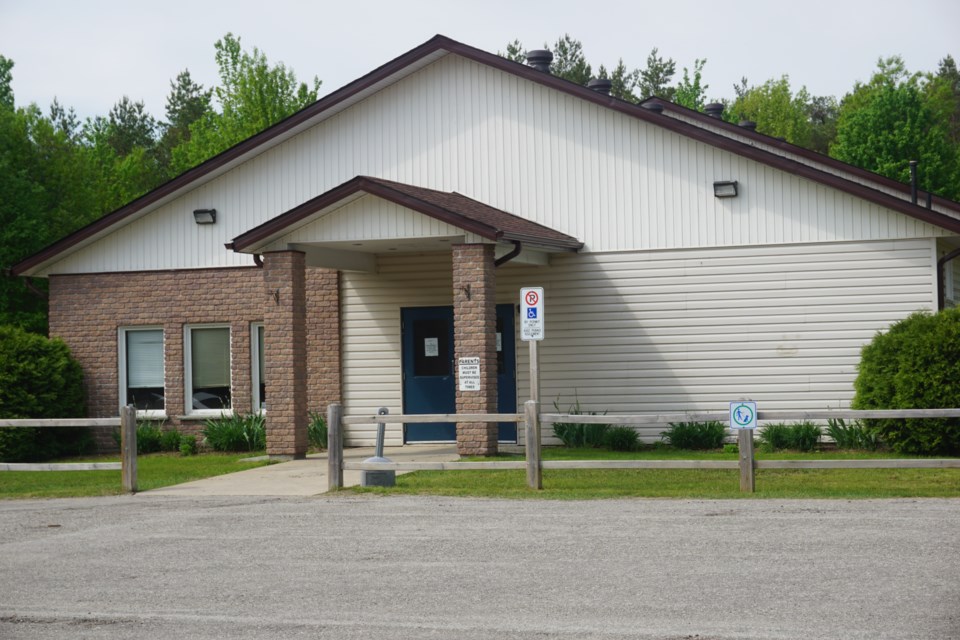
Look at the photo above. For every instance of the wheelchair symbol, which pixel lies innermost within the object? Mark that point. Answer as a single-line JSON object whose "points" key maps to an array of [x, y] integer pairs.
{"points": [[532, 313]]}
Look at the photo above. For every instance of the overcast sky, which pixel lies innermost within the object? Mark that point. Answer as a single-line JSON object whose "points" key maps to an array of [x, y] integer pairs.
{"points": [[89, 53]]}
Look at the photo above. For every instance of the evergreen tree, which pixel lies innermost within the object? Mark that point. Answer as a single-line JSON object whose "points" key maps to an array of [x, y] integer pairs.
{"points": [[655, 79]]}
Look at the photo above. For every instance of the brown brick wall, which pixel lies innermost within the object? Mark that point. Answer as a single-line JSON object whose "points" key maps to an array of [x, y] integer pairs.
{"points": [[323, 339], [474, 323], [285, 339], [88, 310]]}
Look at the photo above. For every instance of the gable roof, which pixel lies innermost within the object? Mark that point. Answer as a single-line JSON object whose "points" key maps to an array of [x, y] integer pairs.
{"points": [[408, 63], [453, 208], [797, 150]]}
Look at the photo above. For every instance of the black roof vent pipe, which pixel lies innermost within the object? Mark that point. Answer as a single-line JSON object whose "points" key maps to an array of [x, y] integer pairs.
{"points": [[913, 181], [653, 106], [540, 59], [749, 125], [600, 85], [714, 110]]}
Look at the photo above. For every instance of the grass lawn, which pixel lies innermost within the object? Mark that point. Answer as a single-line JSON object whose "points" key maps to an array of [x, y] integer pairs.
{"points": [[580, 484], [153, 470]]}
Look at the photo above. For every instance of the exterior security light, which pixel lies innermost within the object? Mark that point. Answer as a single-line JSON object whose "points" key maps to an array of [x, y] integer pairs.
{"points": [[725, 189], [205, 216]]}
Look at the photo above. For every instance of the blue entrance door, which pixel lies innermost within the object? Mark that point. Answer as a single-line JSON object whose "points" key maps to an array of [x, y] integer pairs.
{"points": [[428, 371], [506, 371], [428, 380]]}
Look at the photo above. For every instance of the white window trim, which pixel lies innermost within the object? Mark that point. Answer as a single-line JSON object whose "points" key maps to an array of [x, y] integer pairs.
{"points": [[159, 414], [255, 355], [188, 372]]}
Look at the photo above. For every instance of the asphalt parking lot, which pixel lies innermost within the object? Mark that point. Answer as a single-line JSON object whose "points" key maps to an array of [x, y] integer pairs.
{"points": [[415, 567]]}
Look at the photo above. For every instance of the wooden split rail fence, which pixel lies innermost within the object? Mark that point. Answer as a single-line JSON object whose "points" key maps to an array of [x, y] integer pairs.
{"points": [[127, 421], [534, 464]]}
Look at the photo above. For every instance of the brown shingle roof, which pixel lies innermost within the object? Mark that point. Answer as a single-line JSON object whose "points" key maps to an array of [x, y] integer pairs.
{"points": [[453, 208], [426, 51]]}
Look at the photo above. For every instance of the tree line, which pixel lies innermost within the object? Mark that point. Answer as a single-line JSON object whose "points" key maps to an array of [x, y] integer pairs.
{"points": [[58, 174]]}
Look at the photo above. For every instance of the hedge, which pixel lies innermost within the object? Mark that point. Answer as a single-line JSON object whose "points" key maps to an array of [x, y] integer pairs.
{"points": [[39, 379], [914, 365]]}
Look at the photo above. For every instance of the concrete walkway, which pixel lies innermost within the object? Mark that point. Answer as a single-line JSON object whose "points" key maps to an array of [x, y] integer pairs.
{"points": [[305, 477]]}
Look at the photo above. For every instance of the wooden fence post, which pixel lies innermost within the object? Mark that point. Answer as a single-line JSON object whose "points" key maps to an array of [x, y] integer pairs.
{"points": [[334, 446], [745, 445], [531, 410], [128, 448]]}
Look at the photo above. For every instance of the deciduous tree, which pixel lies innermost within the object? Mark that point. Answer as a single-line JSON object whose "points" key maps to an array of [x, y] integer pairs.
{"points": [[252, 95]]}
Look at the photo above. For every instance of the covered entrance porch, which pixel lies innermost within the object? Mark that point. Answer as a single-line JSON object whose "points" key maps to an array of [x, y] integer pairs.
{"points": [[404, 253]]}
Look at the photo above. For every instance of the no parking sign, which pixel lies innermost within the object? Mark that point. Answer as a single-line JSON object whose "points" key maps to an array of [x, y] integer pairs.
{"points": [[531, 313]]}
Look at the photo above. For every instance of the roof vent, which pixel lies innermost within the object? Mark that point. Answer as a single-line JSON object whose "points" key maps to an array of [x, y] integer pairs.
{"points": [[714, 110], [749, 125], [600, 85], [540, 59], [653, 106]]}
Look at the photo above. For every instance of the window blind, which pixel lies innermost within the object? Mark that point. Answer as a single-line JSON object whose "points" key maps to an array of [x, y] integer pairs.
{"points": [[145, 359], [210, 357]]}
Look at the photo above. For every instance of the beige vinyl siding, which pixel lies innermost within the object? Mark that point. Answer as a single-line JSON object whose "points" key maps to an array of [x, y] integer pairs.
{"points": [[612, 181], [370, 218], [371, 357], [662, 330], [768, 145]]}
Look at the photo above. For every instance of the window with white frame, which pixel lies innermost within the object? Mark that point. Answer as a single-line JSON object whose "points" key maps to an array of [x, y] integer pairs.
{"points": [[141, 368], [259, 380], [207, 355]]}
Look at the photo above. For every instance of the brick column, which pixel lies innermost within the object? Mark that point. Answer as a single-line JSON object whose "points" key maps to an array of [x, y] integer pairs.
{"points": [[475, 336], [285, 344]]}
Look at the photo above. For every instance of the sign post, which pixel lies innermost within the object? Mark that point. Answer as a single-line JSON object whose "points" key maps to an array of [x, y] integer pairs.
{"points": [[531, 332], [743, 420]]}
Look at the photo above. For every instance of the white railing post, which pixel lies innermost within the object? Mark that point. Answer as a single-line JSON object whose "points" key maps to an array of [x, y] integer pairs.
{"points": [[531, 410], [334, 446], [128, 448]]}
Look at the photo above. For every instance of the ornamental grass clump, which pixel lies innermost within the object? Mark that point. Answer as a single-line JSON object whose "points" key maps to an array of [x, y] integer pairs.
{"points": [[621, 438], [237, 432], [695, 435], [577, 434], [317, 431], [799, 436], [852, 436]]}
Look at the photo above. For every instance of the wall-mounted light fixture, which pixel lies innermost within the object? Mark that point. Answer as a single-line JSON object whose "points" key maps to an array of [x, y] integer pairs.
{"points": [[725, 189], [205, 216]]}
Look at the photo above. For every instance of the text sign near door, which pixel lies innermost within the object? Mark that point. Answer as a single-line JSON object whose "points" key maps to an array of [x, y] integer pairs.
{"points": [[531, 313], [469, 374]]}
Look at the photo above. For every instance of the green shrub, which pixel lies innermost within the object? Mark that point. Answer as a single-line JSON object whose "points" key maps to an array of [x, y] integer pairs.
{"points": [[576, 434], [236, 432], [621, 438], [149, 437], [852, 436], [914, 365], [731, 448], [775, 437], [799, 436], [170, 440], [695, 435], [39, 379], [188, 445], [805, 436], [317, 431]]}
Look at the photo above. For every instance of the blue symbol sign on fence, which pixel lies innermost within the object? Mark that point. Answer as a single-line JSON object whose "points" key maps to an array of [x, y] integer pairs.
{"points": [[743, 415]]}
